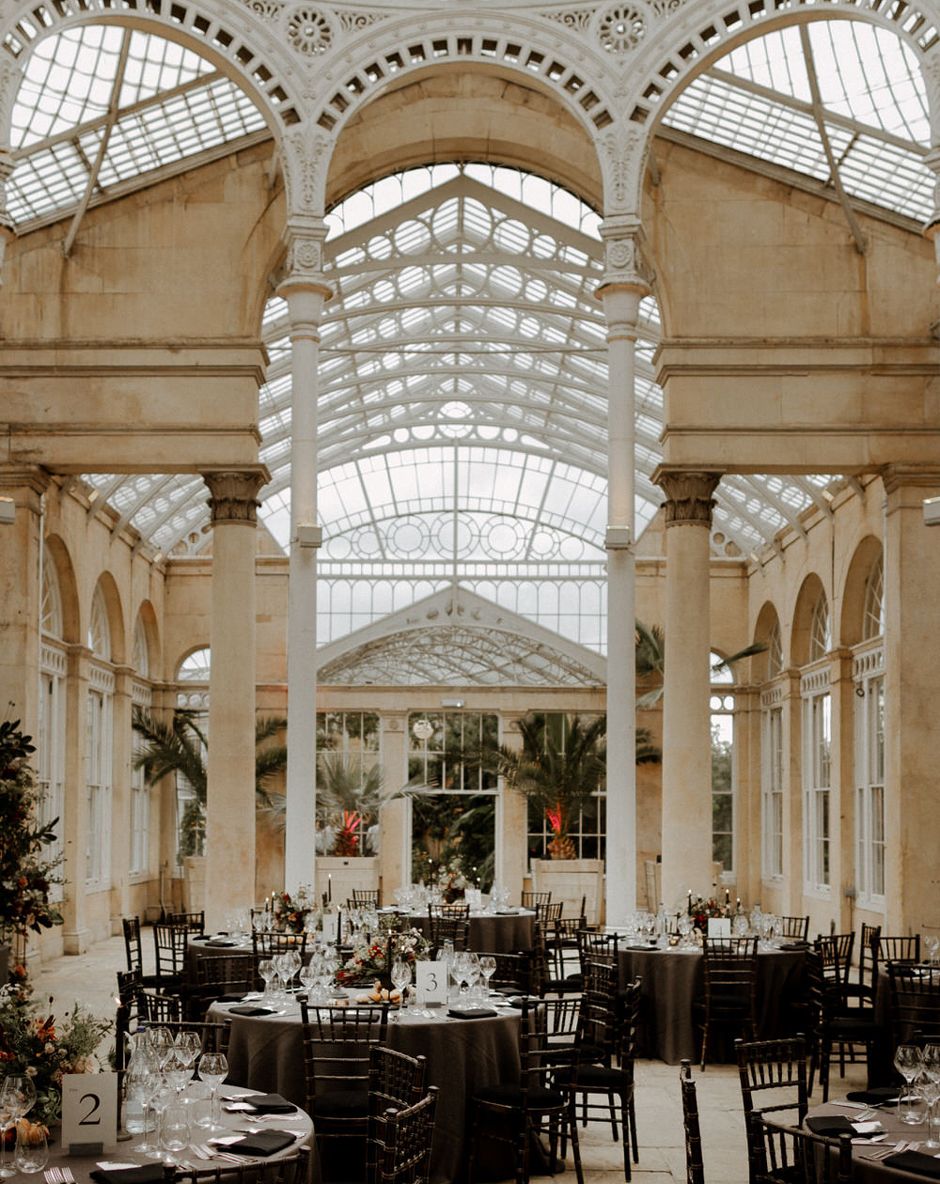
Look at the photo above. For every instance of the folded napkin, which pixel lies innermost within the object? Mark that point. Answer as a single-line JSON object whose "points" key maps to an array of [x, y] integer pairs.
{"points": [[471, 1013], [221, 941], [915, 1161], [830, 1125], [882, 1095], [250, 1009], [263, 1143], [270, 1104], [232, 997], [149, 1173], [507, 912], [793, 945]]}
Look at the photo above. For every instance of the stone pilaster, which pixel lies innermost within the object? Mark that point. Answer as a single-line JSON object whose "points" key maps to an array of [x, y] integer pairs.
{"points": [[394, 854], [687, 791], [230, 804]]}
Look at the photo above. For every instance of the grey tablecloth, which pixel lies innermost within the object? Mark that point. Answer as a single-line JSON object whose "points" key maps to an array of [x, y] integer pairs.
{"points": [[673, 978], [197, 949], [494, 933], [872, 1171], [266, 1053]]}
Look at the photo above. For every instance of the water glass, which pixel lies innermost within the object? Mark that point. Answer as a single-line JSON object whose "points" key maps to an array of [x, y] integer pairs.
{"points": [[175, 1132], [32, 1150]]}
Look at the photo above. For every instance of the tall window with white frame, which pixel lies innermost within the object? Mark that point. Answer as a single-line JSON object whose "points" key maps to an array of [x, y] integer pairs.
{"points": [[50, 750], [817, 754], [772, 765], [98, 747], [140, 791], [721, 720], [868, 674]]}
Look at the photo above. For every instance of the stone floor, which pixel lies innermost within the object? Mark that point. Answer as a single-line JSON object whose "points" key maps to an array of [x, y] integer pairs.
{"points": [[90, 978]]}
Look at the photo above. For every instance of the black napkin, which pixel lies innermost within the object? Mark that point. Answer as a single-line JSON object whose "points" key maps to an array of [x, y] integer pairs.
{"points": [[263, 1143], [232, 997], [831, 1125], [471, 1013], [249, 1009], [881, 1095], [794, 945], [914, 1161], [221, 941], [149, 1173], [270, 1104]]}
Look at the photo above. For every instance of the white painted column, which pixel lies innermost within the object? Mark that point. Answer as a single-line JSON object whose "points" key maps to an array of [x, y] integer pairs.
{"points": [[305, 292], [230, 791], [687, 766], [621, 292]]}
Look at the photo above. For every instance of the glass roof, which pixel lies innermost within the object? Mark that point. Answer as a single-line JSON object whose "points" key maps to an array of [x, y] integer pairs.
{"points": [[463, 373]]}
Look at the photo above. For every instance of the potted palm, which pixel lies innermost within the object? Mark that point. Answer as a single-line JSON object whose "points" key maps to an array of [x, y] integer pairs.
{"points": [[27, 871], [349, 798]]}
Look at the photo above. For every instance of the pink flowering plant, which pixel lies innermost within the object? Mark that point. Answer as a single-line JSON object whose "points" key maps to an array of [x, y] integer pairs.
{"points": [[33, 1042]]}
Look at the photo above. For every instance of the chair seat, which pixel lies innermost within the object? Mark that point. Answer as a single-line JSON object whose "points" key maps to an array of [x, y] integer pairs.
{"points": [[342, 1103], [536, 1099], [601, 1077]]}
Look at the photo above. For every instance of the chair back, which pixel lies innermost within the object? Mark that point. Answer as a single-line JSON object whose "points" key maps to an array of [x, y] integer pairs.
{"points": [[158, 1007], [169, 948], [403, 1143], [366, 898], [594, 946], [794, 928], [898, 949], [694, 1165], [548, 915], [194, 922], [132, 950], [531, 900], [512, 973], [444, 927], [801, 1157], [835, 952], [338, 1043], [222, 976], [868, 961], [914, 1003], [395, 1078], [292, 1169], [773, 1082]]}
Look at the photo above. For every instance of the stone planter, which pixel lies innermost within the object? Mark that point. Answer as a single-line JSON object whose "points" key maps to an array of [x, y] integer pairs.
{"points": [[338, 875], [569, 880]]}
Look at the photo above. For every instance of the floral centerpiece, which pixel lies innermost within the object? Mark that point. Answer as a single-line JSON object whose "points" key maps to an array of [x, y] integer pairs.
{"points": [[371, 960], [701, 909], [291, 913], [34, 1043]]}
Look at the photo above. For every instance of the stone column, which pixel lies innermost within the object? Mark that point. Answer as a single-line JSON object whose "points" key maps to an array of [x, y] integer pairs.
{"points": [[121, 795], [394, 861], [21, 592], [305, 291], [75, 931], [230, 795], [513, 815], [746, 754], [623, 288], [912, 658], [687, 785]]}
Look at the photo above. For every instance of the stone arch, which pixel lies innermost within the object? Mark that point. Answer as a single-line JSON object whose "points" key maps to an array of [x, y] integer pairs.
{"points": [[851, 626], [58, 553], [455, 113], [112, 599], [198, 648], [810, 591], [766, 626], [231, 36]]}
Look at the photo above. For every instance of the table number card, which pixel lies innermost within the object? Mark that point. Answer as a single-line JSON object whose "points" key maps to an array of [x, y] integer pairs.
{"points": [[330, 926], [89, 1112], [719, 926], [431, 982]]}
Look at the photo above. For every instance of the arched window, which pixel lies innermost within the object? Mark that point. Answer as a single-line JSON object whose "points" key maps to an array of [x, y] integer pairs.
{"points": [[99, 630], [873, 616], [50, 750], [195, 667], [51, 597], [820, 633], [774, 651], [722, 730]]}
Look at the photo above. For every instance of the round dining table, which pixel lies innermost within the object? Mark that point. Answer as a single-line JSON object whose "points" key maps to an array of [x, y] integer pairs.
{"points": [[872, 1158], [503, 932], [463, 1055], [127, 1156], [672, 978]]}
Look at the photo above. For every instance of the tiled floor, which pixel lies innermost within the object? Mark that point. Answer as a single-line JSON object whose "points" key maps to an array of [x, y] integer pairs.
{"points": [[90, 978]]}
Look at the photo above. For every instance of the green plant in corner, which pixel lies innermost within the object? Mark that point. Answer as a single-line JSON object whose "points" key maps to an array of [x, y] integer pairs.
{"points": [[27, 870]]}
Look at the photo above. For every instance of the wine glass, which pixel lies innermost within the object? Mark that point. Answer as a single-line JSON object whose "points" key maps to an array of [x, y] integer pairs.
{"points": [[17, 1095], [266, 972], [908, 1060], [462, 972], [213, 1067], [150, 1083], [401, 978], [32, 1150], [291, 962], [161, 1041], [487, 969], [931, 1089], [188, 1046]]}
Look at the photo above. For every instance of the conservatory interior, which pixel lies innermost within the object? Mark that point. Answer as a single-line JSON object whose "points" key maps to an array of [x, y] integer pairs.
{"points": [[377, 378]]}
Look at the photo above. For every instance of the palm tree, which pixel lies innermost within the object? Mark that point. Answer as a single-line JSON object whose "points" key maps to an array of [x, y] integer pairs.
{"points": [[559, 769], [349, 799], [180, 746], [650, 658]]}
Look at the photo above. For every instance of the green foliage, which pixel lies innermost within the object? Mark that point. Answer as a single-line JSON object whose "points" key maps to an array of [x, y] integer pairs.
{"points": [[348, 801], [27, 873]]}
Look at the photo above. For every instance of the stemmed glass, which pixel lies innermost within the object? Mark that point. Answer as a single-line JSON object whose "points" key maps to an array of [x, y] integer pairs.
{"points": [[909, 1062], [487, 969], [463, 973], [17, 1095], [149, 1084], [401, 978], [291, 962], [930, 1086], [266, 971], [188, 1046], [212, 1069]]}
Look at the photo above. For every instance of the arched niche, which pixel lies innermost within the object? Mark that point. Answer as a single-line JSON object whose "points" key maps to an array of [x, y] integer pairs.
{"points": [[465, 113], [767, 632], [146, 632], [865, 563], [804, 611], [57, 553], [111, 597]]}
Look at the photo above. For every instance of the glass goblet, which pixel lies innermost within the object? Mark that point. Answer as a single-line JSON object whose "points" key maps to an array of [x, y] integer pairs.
{"points": [[487, 970], [930, 1085], [401, 979], [908, 1060], [17, 1095], [213, 1067]]}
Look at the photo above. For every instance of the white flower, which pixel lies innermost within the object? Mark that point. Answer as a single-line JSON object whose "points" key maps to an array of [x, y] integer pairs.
{"points": [[31, 1070]]}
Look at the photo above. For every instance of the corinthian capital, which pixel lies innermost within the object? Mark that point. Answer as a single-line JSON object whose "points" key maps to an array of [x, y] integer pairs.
{"points": [[234, 494], [689, 500]]}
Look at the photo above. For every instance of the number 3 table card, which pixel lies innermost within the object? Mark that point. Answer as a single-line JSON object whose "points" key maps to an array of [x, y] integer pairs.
{"points": [[89, 1112], [431, 982]]}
